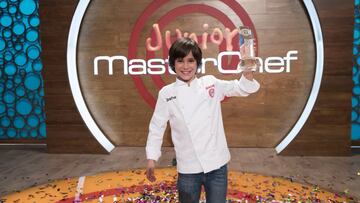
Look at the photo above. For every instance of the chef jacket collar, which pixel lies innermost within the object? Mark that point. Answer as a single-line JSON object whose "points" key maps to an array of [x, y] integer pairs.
{"points": [[195, 82]]}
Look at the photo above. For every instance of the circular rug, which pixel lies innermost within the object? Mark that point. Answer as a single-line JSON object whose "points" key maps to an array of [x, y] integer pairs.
{"points": [[132, 186]]}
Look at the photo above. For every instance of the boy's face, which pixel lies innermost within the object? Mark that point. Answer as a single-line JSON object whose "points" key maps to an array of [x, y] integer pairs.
{"points": [[186, 67]]}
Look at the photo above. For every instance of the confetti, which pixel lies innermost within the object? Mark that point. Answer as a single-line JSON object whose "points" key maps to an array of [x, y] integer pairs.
{"points": [[131, 187]]}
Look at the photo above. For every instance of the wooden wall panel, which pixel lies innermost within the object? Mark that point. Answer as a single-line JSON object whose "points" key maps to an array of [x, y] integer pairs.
{"points": [[327, 131], [66, 131]]}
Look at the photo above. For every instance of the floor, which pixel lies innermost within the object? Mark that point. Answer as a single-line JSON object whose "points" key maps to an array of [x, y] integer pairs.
{"points": [[25, 167]]}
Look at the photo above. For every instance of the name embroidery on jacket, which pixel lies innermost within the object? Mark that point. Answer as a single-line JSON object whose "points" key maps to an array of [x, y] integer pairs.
{"points": [[170, 98]]}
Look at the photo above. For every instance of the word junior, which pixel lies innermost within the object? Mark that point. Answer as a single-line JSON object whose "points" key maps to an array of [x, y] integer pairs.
{"points": [[216, 37]]}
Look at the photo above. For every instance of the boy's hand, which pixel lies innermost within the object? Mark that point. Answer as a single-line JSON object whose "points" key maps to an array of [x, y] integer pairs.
{"points": [[150, 170], [248, 66]]}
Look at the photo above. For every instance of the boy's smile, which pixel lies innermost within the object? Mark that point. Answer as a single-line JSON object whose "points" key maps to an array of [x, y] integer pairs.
{"points": [[186, 67]]}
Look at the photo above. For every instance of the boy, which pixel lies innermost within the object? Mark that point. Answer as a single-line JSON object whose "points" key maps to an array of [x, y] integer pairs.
{"points": [[193, 107]]}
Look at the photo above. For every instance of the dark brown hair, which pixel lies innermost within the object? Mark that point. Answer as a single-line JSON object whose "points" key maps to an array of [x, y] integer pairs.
{"points": [[181, 48]]}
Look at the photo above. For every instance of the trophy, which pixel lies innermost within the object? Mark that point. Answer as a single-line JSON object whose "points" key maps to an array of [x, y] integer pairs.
{"points": [[248, 62]]}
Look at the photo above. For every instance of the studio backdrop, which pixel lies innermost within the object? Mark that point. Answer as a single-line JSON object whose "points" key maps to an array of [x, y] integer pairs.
{"points": [[106, 61]]}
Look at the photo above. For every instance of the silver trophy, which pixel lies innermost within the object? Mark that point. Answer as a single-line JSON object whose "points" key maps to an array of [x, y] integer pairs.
{"points": [[248, 62]]}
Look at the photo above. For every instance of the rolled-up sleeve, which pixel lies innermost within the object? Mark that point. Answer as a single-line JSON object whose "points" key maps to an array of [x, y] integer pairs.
{"points": [[156, 128], [238, 88]]}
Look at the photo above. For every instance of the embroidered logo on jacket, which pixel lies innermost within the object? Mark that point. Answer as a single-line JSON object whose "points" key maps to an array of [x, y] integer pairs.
{"points": [[210, 86], [212, 92]]}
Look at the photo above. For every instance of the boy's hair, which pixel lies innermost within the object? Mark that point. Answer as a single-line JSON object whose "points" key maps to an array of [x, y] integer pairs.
{"points": [[181, 48]]}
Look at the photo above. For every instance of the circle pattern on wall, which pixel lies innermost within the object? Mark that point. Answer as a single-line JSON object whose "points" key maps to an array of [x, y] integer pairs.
{"points": [[134, 88], [355, 115], [22, 113]]}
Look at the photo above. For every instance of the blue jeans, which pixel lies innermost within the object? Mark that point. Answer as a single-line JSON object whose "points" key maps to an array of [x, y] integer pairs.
{"points": [[214, 182]]}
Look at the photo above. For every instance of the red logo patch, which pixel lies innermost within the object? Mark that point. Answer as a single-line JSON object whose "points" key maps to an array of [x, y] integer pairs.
{"points": [[212, 92]]}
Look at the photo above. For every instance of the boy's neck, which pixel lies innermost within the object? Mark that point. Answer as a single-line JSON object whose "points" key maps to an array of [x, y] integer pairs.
{"points": [[187, 81]]}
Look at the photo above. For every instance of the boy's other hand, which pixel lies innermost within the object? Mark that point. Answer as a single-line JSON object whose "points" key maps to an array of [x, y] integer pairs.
{"points": [[150, 170]]}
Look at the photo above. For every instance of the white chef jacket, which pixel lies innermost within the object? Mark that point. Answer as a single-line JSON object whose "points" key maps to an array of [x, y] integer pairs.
{"points": [[197, 129]]}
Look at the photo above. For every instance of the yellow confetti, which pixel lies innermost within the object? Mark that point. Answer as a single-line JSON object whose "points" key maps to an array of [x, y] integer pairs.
{"points": [[126, 182]]}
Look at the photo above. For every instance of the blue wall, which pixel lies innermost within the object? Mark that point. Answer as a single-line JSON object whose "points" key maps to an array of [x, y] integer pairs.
{"points": [[22, 113], [355, 117]]}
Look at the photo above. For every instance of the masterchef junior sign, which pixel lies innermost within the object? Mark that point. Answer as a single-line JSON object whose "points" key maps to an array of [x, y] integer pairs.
{"points": [[133, 66], [157, 66]]}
